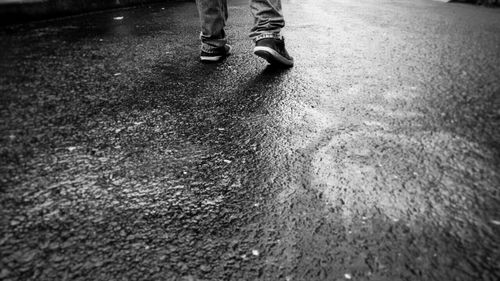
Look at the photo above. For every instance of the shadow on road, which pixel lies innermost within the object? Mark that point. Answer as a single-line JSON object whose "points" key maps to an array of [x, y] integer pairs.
{"points": [[132, 156]]}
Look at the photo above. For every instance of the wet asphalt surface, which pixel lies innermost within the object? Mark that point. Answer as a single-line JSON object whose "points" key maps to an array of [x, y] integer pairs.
{"points": [[375, 158]]}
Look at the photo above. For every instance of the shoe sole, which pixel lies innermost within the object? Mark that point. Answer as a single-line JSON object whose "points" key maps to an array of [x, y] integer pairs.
{"points": [[271, 56], [216, 58], [211, 58]]}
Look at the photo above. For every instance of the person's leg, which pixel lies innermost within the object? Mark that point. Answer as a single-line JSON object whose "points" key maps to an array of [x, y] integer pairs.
{"points": [[268, 22], [213, 16], [268, 18]]}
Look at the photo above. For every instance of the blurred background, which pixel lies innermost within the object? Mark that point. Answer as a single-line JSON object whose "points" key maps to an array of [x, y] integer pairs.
{"points": [[15, 11]]}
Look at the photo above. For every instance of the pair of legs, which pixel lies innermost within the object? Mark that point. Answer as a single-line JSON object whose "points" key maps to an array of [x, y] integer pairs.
{"points": [[268, 22]]}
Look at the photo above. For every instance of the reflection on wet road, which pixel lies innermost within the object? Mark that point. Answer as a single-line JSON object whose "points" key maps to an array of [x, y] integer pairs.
{"points": [[375, 158]]}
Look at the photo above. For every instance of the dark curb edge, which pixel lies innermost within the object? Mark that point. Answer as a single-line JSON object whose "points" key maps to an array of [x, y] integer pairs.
{"points": [[14, 12]]}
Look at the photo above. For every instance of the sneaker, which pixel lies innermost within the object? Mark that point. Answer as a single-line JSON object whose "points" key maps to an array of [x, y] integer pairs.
{"points": [[216, 54], [273, 50]]}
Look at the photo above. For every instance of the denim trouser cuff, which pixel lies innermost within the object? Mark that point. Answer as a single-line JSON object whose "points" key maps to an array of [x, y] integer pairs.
{"points": [[210, 44]]}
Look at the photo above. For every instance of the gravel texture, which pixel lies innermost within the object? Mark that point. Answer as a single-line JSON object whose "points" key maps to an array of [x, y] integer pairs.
{"points": [[375, 158]]}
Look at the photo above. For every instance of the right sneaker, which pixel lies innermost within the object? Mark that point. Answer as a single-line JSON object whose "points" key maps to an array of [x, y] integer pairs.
{"points": [[273, 50], [216, 54]]}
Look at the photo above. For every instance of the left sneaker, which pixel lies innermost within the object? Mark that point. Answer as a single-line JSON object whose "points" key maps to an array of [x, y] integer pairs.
{"points": [[216, 55]]}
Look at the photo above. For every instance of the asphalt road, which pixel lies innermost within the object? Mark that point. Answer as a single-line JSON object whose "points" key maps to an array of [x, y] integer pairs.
{"points": [[376, 157]]}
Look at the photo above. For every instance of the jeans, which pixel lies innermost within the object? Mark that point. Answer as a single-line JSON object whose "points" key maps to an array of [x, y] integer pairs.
{"points": [[268, 21]]}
